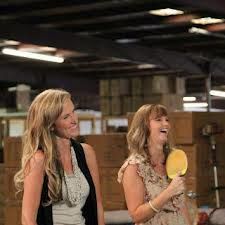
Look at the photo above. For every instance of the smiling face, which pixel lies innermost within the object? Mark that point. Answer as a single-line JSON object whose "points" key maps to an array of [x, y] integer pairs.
{"points": [[159, 127], [66, 125]]}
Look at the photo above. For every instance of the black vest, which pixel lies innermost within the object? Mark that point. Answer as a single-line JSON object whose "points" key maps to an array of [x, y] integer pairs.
{"points": [[89, 211]]}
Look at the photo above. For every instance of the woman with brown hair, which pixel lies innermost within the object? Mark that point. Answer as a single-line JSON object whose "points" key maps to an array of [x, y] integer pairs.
{"points": [[150, 198]]}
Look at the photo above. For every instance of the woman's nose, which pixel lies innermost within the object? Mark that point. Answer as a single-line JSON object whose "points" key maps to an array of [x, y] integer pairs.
{"points": [[74, 117]]}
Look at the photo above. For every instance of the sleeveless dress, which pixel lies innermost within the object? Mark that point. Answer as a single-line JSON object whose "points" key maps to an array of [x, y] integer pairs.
{"points": [[170, 214], [75, 190]]}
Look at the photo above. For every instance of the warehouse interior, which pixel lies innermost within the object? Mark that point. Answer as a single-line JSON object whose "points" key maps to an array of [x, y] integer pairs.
{"points": [[117, 55]]}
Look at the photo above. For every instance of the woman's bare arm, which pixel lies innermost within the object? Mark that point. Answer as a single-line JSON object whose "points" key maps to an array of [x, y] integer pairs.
{"points": [[33, 182], [134, 190]]}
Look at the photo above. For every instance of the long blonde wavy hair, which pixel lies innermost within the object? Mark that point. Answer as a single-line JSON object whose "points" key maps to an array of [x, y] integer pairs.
{"points": [[42, 114], [138, 134]]}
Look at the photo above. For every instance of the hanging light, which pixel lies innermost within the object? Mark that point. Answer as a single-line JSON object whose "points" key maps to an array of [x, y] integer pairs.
{"points": [[189, 99], [31, 55], [217, 93]]}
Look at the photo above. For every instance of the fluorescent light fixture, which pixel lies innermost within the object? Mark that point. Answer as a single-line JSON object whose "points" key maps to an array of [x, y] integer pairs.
{"points": [[189, 99], [11, 89], [205, 32], [207, 20], [48, 49], [197, 30], [126, 40], [166, 12], [195, 105], [217, 93], [119, 59], [31, 55], [146, 66], [11, 42]]}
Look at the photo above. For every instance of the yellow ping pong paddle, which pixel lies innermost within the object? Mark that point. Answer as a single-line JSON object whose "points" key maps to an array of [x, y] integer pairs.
{"points": [[176, 162]]}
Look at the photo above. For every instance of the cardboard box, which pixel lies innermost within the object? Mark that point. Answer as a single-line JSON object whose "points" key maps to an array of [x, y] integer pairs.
{"points": [[187, 126], [2, 186], [180, 85], [13, 215], [112, 191], [163, 85], [137, 102], [120, 87], [104, 88], [147, 85], [126, 104], [9, 187], [12, 151], [171, 101], [111, 149], [116, 106], [125, 87], [2, 221], [136, 86], [105, 106]]}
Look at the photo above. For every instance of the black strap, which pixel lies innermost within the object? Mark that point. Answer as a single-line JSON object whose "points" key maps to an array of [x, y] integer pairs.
{"points": [[44, 216], [90, 208]]}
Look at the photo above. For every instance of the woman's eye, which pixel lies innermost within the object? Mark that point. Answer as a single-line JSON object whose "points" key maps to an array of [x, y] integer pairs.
{"points": [[65, 117]]}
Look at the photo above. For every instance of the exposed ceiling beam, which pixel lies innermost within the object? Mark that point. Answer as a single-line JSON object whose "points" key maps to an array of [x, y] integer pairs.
{"points": [[41, 78], [97, 46], [128, 74], [13, 74], [217, 67], [216, 27], [212, 5], [98, 20], [78, 7]]}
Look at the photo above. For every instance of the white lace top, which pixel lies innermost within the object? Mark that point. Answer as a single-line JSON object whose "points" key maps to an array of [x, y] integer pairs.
{"points": [[75, 190]]}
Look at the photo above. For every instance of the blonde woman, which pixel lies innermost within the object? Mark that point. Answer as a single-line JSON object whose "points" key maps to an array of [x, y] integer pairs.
{"points": [[59, 177], [150, 198]]}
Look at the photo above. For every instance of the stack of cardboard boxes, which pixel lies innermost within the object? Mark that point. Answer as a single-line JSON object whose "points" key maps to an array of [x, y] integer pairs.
{"points": [[12, 202], [111, 151], [2, 194], [114, 96], [122, 95], [187, 131]]}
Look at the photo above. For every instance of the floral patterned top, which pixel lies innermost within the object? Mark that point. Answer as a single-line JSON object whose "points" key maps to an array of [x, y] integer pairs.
{"points": [[170, 214]]}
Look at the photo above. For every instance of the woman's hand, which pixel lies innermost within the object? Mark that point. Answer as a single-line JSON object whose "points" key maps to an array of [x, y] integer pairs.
{"points": [[176, 186]]}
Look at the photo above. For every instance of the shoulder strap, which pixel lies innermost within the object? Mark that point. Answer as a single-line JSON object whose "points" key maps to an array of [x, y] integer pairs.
{"points": [[44, 216], [79, 151], [89, 210]]}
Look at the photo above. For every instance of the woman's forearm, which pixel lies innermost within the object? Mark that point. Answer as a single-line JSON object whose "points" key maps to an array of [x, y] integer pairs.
{"points": [[144, 212], [101, 220], [26, 221]]}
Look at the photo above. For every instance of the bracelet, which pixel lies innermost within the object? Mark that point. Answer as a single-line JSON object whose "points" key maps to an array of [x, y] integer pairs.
{"points": [[152, 207]]}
